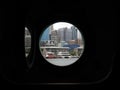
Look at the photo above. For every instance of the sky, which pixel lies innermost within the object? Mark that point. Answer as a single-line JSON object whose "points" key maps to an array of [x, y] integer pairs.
{"points": [[58, 25], [45, 35]]}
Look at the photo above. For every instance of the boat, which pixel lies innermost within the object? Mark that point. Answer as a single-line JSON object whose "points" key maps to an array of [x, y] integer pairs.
{"points": [[64, 55], [50, 55]]}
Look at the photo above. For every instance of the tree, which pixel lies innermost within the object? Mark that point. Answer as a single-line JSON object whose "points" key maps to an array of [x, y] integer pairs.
{"points": [[73, 53]]}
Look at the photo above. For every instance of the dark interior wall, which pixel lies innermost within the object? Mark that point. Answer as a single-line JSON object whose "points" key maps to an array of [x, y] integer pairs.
{"points": [[98, 26]]}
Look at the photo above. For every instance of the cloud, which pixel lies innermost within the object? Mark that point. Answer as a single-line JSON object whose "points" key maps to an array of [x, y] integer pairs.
{"points": [[58, 25]]}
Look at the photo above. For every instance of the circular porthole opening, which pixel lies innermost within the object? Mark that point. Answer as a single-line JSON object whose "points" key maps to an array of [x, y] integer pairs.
{"points": [[61, 44], [27, 40]]}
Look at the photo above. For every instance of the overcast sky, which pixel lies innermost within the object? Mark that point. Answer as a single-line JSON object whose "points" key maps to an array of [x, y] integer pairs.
{"points": [[58, 25]]}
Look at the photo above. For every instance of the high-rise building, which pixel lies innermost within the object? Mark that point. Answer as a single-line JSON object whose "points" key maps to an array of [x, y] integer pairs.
{"points": [[74, 32], [53, 35], [50, 30], [66, 34], [63, 34]]}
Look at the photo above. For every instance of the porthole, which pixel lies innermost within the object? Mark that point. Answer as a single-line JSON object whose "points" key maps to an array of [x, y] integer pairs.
{"points": [[27, 39], [61, 44]]}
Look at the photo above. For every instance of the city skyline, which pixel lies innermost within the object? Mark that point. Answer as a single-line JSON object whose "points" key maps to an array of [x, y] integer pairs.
{"points": [[47, 32]]}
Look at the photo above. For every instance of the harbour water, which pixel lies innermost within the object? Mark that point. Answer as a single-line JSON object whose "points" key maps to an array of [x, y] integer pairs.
{"points": [[63, 61]]}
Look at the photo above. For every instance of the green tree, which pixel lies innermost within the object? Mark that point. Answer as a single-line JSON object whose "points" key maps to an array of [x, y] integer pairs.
{"points": [[72, 53]]}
